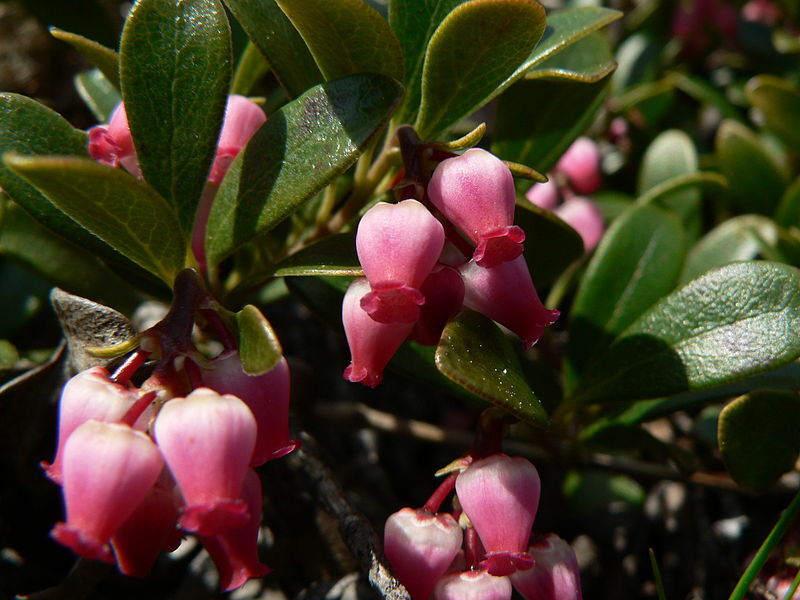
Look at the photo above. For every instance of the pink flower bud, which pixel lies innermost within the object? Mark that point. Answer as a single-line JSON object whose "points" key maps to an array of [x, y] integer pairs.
{"points": [[555, 574], [207, 441], [584, 217], [475, 191], [397, 245], [91, 394], [235, 552], [473, 585], [444, 295], [500, 495], [505, 293], [544, 195], [266, 395], [151, 529], [243, 117], [108, 471], [581, 164], [372, 344], [420, 547], [762, 11], [112, 144]]}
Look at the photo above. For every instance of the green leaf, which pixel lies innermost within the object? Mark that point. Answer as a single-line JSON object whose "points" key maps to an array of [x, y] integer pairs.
{"points": [[175, 68], [252, 66], [588, 61], [543, 232], [60, 262], [729, 324], [259, 347], [757, 183], [300, 149], [414, 22], [563, 110], [477, 355], [671, 155], [662, 193], [788, 212], [98, 94], [477, 47], [104, 59], [346, 37], [779, 102], [118, 208], [334, 255], [277, 39], [739, 238], [637, 262], [758, 437]]}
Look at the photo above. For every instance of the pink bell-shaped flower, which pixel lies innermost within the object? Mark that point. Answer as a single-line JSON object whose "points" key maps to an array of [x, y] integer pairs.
{"points": [[372, 344], [420, 547], [473, 585], [108, 470], [90, 394], [505, 293], [235, 552], [266, 395], [112, 144], [583, 216], [207, 440], [243, 118], [397, 245], [500, 495], [581, 164], [475, 191], [555, 574], [444, 295], [151, 529], [544, 195]]}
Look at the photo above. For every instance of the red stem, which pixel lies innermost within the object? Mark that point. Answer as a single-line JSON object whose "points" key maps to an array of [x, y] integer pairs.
{"points": [[473, 551], [435, 501], [135, 411], [124, 373], [220, 328]]}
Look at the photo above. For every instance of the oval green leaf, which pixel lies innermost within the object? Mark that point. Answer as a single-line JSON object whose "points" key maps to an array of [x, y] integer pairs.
{"points": [[277, 39], [104, 59], [259, 347], [346, 37], [300, 149], [414, 22], [758, 437], [478, 356], [739, 238], [779, 102], [729, 324], [477, 47], [99, 95], [334, 255], [788, 212], [636, 263], [757, 183], [115, 206], [588, 61], [175, 68]]}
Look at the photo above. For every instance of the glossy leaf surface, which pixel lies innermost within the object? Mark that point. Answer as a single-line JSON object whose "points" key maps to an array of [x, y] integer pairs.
{"points": [[118, 208], [588, 61], [259, 347], [637, 262], [300, 149], [729, 324], [758, 437], [346, 37], [477, 355], [333, 255], [283, 48], [175, 68], [477, 47], [98, 94]]}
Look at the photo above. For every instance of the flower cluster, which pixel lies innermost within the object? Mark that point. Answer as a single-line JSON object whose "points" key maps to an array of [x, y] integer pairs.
{"points": [[138, 465], [497, 500], [567, 192], [112, 145], [423, 264]]}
